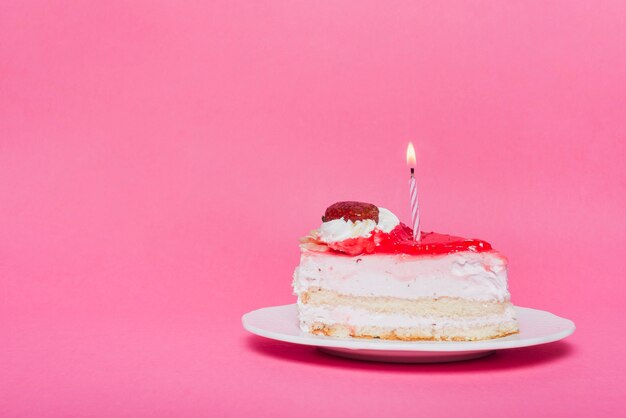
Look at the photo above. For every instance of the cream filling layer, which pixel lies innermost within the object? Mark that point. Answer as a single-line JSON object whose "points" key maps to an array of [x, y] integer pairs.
{"points": [[345, 315], [443, 306], [468, 275]]}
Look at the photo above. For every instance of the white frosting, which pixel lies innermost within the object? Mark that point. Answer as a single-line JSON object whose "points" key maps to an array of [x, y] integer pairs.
{"points": [[310, 314], [469, 275], [340, 229], [387, 220]]}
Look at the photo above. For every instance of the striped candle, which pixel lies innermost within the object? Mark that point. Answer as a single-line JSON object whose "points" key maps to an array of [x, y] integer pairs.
{"points": [[415, 210]]}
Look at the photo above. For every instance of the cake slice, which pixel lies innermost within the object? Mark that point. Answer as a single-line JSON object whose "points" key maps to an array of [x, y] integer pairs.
{"points": [[361, 274]]}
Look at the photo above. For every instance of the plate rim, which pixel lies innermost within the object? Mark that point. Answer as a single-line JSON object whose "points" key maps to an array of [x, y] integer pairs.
{"points": [[421, 346]]}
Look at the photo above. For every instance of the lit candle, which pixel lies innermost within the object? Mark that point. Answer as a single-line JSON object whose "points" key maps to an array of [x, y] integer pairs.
{"points": [[415, 210]]}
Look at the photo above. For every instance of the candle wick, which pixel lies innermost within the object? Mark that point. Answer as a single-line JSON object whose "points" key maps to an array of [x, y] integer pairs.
{"points": [[412, 171]]}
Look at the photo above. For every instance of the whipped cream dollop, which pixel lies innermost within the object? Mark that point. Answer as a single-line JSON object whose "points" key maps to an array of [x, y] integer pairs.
{"points": [[340, 229], [387, 220]]}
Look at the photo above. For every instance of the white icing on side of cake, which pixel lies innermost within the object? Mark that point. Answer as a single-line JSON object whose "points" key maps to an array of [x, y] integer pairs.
{"points": [[468, 275], [340, 229]]}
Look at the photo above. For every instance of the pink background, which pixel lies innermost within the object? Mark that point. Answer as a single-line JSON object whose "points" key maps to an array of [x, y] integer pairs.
{"points": [[158, 163]]}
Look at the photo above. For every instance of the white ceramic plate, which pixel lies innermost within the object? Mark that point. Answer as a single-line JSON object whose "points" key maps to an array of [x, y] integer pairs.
{"points": [[281, 323]]}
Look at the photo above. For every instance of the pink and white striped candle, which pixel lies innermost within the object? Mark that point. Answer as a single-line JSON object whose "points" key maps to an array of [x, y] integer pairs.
{"points": [[415, 210]]}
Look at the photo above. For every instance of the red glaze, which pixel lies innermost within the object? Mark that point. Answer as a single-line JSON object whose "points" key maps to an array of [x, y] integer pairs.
{"points": [[400, 241]]}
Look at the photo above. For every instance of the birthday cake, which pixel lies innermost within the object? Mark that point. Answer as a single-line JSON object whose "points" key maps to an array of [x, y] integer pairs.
{"points": [[363, 274]]}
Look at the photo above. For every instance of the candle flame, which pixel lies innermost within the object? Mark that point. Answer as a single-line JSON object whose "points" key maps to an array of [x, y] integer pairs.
{"points": [[410, 155]]}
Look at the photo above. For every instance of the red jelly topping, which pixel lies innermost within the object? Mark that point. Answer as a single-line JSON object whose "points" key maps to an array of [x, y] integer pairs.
{"points": [[400, 241]]}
